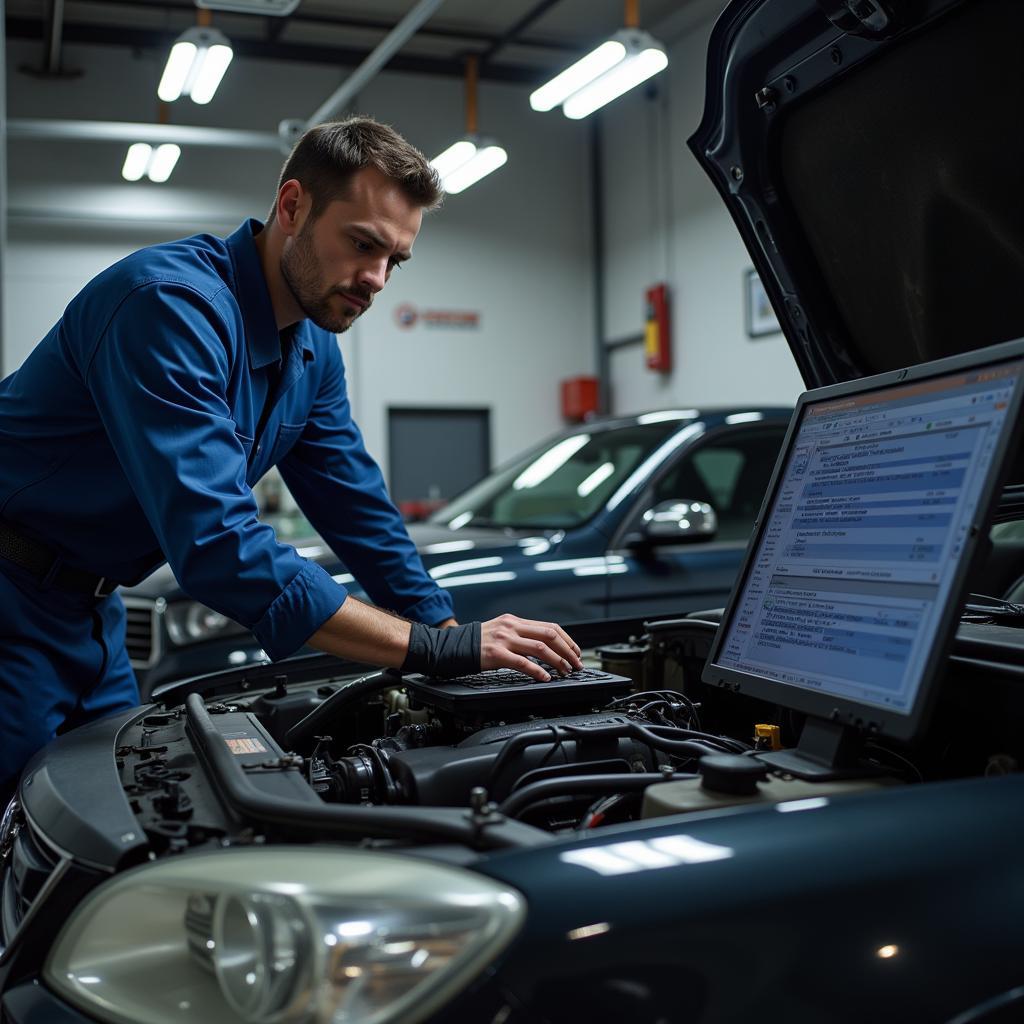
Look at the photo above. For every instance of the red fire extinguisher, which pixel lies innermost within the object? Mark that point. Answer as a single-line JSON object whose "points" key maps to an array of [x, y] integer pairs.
{"points": [[657, 329]]}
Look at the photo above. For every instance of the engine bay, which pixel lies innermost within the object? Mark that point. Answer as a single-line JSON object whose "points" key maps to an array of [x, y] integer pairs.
{"points": [[314, 754]]}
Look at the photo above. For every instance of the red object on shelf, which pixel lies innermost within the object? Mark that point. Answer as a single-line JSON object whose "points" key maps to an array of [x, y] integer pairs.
{"points": [[579, 398], [657, 329]]}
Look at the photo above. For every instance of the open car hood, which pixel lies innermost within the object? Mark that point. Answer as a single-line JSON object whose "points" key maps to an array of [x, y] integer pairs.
{"points": [[869, 153]]}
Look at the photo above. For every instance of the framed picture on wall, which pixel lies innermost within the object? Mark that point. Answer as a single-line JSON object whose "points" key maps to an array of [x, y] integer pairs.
{"points": [[761, 319]]}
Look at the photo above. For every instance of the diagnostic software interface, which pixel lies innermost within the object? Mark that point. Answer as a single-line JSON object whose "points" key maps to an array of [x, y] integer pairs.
{"points": [[857, 556]]}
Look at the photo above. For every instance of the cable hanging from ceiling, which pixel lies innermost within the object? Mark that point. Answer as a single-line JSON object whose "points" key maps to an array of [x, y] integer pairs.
{"points": [[474, 156]]}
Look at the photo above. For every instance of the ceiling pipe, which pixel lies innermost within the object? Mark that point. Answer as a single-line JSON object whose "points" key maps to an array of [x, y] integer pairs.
{"points": [[304, 53], [512, 34], [336, 103], [56, 28], [351, 21], [127, 131]]}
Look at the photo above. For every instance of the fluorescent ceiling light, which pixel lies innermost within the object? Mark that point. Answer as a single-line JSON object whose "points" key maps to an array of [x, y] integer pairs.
{"points": [[631, 72], [162, 162], [274, 8], [466, 162], [196, 65], [210, 72], [457, 154], [137, 160], [616, 66], [179, 64], [156, 164], [485, 160], [562, 86]]}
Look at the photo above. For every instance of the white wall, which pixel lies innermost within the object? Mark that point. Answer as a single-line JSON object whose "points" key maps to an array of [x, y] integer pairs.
{"points": [[664, 221], [514, 248]]}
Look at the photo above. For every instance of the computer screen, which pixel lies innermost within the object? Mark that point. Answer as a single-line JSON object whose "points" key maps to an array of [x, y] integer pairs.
{"points": [[853, 580]]}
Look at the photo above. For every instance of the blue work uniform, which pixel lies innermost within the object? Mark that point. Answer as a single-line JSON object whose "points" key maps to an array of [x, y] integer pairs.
{"points": [[133, 434]]}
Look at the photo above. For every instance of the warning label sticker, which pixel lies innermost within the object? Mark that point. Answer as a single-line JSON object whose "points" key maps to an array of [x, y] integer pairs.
{"points": [[244, 745]]}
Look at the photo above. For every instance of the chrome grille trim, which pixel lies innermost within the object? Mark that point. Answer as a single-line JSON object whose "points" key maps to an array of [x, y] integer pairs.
{"points": [[142, 637]]}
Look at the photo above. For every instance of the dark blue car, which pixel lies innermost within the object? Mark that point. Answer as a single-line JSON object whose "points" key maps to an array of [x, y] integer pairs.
{"points": [[631, 517]]}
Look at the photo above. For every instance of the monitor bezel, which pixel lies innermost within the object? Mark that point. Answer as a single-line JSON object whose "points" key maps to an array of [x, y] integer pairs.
{"points": [[862, 717]]}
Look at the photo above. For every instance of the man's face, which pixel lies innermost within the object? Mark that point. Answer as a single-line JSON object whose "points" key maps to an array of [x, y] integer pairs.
{"points": [[336, 264]]}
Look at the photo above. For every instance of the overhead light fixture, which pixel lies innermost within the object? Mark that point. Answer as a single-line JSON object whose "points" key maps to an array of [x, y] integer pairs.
{"points": [[274, 8], [196, 64], [156, 164], [473, 157], [466, 162], [630, 57]]}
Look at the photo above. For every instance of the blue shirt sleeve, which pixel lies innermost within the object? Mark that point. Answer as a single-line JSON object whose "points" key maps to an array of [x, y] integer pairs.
{"points": [[341, 490], [158, 376]]}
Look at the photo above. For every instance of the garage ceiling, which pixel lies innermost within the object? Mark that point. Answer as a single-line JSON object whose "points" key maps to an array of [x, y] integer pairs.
{"points": [[519, 40]]}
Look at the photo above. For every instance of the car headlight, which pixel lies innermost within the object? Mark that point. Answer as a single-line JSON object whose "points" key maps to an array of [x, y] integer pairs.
{"points": [[188, 622], [281, 936]]}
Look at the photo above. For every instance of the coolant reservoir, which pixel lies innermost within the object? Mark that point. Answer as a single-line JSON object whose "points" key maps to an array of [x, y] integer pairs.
{"points": [[728, 780]]}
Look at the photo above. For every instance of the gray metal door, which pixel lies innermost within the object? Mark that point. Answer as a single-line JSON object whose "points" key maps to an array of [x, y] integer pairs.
{"points": [[436, 453]]}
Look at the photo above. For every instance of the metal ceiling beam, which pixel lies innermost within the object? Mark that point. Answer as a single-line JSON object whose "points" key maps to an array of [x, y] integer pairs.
{"points": [[187, 8], [130, 131], [53, 45], [373, 64], [511, 35], [30, 28]]}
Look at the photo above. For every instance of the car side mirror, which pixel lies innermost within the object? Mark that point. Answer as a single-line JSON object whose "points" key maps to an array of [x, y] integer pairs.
{"points": [[679, 522]]}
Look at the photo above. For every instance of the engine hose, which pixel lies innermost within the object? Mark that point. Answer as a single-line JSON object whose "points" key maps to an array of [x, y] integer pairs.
{"points": [[512, 806], [560, 733], [317, 722]]}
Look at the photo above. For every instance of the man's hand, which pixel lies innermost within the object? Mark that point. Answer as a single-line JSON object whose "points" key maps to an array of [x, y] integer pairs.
{"points": [[364, 633], [510, 642]]}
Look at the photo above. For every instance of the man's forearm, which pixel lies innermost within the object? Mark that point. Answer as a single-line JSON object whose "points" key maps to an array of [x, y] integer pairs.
{"points": [[363, 633]]}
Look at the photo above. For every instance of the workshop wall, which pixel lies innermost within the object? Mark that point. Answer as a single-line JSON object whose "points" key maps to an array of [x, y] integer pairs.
{"points": [[513, 249], [664, 221]]}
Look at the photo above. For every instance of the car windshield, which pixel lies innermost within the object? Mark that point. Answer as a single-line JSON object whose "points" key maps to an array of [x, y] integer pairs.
{"points": [[561, 484]]}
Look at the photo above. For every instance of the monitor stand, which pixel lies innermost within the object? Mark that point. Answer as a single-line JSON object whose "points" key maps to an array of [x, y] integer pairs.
{"points": [[827, 750]]}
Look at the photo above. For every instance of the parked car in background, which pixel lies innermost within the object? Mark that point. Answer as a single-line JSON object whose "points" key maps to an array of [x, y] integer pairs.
{"points": [[626, 517]]}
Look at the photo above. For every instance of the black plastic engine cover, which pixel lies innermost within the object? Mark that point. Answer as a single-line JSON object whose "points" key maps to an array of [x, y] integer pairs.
{"points": [[444, 776]]}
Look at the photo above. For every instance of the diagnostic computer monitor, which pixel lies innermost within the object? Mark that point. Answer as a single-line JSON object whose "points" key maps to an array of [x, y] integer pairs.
{"points": [[848, 599]]}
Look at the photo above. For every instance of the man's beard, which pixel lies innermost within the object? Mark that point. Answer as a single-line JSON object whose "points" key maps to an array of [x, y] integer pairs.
{"points": [[301, 271]]}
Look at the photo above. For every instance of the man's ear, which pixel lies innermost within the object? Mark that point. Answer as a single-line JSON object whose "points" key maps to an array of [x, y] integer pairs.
{"points": [[293, 203]]}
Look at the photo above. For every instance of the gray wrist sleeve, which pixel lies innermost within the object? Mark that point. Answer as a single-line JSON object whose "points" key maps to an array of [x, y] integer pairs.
{"points": [[443, 652]]}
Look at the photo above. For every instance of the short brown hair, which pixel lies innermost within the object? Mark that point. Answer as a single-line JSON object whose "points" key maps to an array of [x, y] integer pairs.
{"points": [[327, 156]]}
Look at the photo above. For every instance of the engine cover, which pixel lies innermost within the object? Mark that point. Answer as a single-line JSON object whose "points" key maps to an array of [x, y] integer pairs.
{"points": [[445, 775]]}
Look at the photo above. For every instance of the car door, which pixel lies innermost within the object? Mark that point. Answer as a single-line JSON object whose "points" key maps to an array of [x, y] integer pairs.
{"points": [[728, 469]]}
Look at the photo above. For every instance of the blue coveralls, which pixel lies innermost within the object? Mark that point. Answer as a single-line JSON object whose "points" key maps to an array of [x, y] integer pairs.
{"points": [[132, 435]]}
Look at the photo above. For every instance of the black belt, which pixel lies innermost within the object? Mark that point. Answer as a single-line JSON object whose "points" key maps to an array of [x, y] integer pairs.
{"points": [[48, 568]]}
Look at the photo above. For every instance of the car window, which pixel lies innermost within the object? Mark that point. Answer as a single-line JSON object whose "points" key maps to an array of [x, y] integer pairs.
{"points": [[731, 473], [719, 468], [561, 484]]}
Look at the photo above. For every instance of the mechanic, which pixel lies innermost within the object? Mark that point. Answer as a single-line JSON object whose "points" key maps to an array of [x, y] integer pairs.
{"points": [[135, 430]]}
